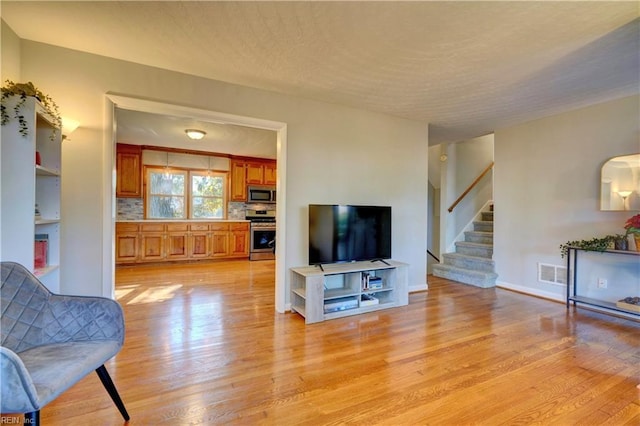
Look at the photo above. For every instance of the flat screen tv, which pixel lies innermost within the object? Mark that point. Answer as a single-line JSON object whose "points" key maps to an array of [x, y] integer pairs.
{"points": [[341, 233]]}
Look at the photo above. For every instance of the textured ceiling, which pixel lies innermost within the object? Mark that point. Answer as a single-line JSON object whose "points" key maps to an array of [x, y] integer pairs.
{"points": [[467, 68]]}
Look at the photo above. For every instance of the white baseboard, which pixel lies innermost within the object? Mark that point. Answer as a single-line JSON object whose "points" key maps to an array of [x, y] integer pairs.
{"points": [[531, 291], [420, 287]]}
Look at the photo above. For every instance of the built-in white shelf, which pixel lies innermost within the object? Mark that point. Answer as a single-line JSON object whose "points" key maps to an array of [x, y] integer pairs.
{"points": [[44, 171], [27, 186]]}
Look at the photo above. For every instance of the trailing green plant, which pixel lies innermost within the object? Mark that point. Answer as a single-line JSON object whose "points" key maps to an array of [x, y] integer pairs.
{"points": [[25, 90], [594, 244]]}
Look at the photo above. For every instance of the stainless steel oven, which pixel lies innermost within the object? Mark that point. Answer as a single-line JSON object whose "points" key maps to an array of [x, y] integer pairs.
{"points": [[263, 234]]}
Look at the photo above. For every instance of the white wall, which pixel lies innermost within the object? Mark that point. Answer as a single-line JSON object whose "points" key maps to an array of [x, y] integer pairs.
{"points": [[335, 154], [82, 219], [466, 161], [10, 63], [547, 185]]}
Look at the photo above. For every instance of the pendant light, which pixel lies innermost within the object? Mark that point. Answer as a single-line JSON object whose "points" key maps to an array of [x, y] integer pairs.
{"points": [[166, 166]]}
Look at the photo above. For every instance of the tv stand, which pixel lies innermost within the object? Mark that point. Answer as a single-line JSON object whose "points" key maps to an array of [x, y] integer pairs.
{"points": [[343, 289]]}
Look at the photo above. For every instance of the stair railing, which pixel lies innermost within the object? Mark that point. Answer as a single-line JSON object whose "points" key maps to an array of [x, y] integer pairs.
{"points": [[433, 255], [473, 184]]}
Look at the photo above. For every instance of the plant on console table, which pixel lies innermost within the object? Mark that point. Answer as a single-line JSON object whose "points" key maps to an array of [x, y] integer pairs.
{"points": [[594, 244], [620, 242], [25, 90], [633, 228]]}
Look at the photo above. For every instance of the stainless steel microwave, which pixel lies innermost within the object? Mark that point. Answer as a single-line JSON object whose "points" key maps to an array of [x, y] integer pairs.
{"points": [[261, 194]]}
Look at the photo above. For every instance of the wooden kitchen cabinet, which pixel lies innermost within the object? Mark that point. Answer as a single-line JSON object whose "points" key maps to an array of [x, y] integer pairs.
{"points": [[238, 181], [261, 173], [253, 172], [127, 242], [199, 241], [128, 171], [219, 244], [220, 240], [270, 173], [239, 240], [199, 245], [151, 247], [176, 241], [152, 238], [179, 241], [230, 240]]}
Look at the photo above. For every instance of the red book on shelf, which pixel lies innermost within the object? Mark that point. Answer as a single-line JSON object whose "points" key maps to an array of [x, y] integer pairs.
{"points": [[40, 259]]}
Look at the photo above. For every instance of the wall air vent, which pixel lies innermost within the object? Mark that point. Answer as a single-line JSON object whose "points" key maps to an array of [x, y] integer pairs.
{"points": [[552, 274]]}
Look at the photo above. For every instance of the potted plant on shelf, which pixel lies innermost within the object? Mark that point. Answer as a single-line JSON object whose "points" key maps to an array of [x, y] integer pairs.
{"points": [[25, 90], [633, 228]]}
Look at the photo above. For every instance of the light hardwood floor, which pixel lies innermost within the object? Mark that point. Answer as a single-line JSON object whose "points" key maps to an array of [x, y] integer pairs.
{"points": [[205, 346]]}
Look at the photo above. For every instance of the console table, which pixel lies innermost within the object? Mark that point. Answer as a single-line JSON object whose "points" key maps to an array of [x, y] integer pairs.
{"points": [[607, 294]]}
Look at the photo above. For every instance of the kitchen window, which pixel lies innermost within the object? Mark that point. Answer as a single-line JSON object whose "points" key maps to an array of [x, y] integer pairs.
{"points": [[185, 194], [208, 195]]}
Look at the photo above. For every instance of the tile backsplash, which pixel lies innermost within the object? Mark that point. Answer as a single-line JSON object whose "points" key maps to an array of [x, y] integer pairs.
{"points": [[129, 209], [133, 209], [235, 210]]}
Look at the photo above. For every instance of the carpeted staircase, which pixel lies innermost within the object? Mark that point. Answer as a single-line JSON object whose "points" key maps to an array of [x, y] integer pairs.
{"points": [[472, 261]]}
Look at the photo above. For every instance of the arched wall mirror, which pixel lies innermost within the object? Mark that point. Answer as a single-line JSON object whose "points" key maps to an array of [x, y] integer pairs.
{"points": [[620, 183]]}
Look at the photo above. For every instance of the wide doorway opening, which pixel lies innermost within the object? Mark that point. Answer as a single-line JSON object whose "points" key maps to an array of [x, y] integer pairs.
{"points": [[232, 127]]}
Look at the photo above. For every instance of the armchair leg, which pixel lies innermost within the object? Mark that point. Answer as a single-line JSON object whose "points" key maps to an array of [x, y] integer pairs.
{"points": [[111, 388], [32, 418]]}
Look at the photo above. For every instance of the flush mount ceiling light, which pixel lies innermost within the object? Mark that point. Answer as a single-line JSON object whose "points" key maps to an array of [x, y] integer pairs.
{"points": [[195, 134]]}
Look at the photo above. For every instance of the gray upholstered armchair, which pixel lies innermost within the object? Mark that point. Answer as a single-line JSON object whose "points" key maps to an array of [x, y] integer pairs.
{"points": [[50, 342]]}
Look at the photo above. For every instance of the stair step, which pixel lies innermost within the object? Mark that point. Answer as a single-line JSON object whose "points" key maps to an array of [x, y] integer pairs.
{"points": [[466, 276], [475, 263], [483, 226], [472, 263], [474, 249], [478, 237]]}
